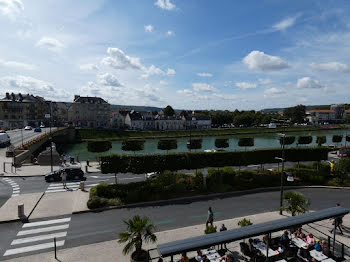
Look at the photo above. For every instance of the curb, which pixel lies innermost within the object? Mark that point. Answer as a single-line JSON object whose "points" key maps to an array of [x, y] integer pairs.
{"points": [[188, 200], [2, 175], [36, 204]]}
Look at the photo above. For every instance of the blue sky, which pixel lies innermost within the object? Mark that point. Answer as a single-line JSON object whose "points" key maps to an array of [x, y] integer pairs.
{"points": [[191, 54]]}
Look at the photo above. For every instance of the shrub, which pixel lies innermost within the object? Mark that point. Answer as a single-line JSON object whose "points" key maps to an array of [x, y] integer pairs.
{"points": [[97, 202], [288, 140], [167, 144], [246, 141], [347, 138], [337, 138], [133, 145], [304, 140], [244, 222], [320, 140], [194, 144], [210, 229], [99, 146], [221, 143]]}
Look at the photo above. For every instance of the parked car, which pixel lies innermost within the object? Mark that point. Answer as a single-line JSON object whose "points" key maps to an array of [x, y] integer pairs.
{"points": [[4, 140], [2, 131], [28, 128], [151, 175], [42, 126], [73, 173], [345, 152], [37, 129]]}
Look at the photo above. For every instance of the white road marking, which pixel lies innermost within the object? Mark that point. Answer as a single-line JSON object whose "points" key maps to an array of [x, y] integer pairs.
{"points": [[69, 183], [61, 186], [38, 238], [32, 248], [14, 195], [61, 190], [47, 222], [41, 230]]}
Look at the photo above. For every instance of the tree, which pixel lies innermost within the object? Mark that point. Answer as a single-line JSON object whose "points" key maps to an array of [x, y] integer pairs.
{"points": [[304, 140], [320, 140], [347, 119], [194, 144], [297, 203], [168, 111], [167, 144], [133, 145], [139, 230], [221, 143], [342, 169], [296, 113]]}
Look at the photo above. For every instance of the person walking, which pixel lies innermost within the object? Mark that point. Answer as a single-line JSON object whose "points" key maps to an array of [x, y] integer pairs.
{"points": [[210, 219], [64, 179], [64, 159], [337, 224]]}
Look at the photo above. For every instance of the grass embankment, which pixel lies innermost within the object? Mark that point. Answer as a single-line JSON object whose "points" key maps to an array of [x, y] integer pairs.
{"points": [[169, 185], [102, 134]]}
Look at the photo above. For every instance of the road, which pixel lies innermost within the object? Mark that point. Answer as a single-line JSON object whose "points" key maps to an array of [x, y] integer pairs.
{"points": [[88, 228]]}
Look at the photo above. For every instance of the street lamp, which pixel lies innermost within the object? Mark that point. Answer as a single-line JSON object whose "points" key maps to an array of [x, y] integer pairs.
{"points": [[192, 118]]}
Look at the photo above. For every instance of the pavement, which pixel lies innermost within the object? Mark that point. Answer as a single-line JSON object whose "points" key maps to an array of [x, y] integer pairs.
{"points": [[112, 250]]}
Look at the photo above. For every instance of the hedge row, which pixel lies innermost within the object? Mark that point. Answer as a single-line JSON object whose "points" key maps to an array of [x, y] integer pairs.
{"points": [[176, 161], [99, 146]]}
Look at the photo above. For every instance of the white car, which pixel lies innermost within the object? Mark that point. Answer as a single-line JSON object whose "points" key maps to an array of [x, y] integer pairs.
{"points": [[151, 175], [28, 128], [42, 126]]}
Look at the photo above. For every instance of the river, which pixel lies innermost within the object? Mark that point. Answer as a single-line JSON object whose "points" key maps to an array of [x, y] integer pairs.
{"points": [[260, 141]]}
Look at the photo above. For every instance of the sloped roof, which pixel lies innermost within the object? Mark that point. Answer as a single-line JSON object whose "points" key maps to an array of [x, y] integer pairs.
{"points": [[90, 100]]}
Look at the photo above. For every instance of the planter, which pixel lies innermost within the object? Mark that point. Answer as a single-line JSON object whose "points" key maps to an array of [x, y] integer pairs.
{"points": [[144, 257], [9, 154]]}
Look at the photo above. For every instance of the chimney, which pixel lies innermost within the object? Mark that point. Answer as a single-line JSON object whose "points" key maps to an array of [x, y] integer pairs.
{"points": [[8, 95], [76, 97]]}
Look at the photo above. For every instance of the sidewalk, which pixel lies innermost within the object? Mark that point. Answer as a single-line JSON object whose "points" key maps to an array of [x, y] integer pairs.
{"points": [[112, 250]]}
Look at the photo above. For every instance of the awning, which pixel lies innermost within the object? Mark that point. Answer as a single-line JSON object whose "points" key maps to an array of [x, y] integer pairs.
{"points": [[205, 241]]}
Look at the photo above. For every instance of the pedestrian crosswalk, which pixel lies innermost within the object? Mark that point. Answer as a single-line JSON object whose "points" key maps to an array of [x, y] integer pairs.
{"points": [[71, 186], [14, 185], [39, 235]]}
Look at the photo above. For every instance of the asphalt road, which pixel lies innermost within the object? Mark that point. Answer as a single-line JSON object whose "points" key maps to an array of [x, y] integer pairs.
{"points": [[91, 228]]}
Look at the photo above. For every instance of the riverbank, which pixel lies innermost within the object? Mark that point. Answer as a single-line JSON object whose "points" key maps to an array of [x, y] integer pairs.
{"points": [[116, 135]]}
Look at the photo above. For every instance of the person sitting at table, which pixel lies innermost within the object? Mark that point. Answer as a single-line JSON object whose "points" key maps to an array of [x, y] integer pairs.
{"points": [[304, 254], [205, 259], [285, 239], [226, 258], [310, 239], [252, 250], [298, 233], [318, 246], [266, 240], [325, 249], [199, 256], [184, 257]]}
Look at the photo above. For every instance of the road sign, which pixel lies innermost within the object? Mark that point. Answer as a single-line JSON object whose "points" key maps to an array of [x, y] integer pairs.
{"points": [[47, 115]]}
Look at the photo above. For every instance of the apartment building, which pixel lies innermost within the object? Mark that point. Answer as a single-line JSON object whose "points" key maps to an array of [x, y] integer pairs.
{"points": [[89, 112]]}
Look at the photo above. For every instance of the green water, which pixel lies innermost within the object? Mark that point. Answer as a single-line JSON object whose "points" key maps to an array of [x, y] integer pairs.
{"points": [[150, 147]]}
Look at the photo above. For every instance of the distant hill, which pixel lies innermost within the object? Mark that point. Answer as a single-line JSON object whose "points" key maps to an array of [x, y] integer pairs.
{"points": [[308, 107]]}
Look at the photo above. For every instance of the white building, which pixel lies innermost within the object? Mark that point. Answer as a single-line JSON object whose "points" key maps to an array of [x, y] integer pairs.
{"points": [[134, 120], [118, 118], [193, 121], [168, 123]]}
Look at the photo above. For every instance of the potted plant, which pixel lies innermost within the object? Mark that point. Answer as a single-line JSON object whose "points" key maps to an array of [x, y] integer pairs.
{"points": [[139, 230]]}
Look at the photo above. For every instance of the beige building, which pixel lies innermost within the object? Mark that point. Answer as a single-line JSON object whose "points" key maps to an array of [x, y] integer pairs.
{"points": [[118, 118], [19, 110], [89, 112]]}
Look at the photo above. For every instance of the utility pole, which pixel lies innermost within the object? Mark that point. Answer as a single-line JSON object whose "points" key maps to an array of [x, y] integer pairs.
{"points": [[50, 139]]}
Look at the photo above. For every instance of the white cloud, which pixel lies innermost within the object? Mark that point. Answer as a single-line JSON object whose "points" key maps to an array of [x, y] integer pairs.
{"points": [[117, 59], [26, 84], [261, 61], [265, 81], [171, 72], [246, 85], [204, 74], [331, 67], [285, 23], [170, 33], [11, 8], [274, 91], [149, 28], [185, 92], [50, 43], [203, 87], [108, 79], [17, 65], [307, 82], [88, 67], [165, 4]]}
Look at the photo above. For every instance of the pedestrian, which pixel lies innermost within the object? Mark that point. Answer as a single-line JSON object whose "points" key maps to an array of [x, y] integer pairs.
{"points": [[223, 228], [210, 219], [64, 178], [337, 222], [64, 159], [341, 218]]}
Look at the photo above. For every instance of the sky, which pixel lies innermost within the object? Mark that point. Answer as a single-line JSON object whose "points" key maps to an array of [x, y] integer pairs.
{"points": [[190, 54]]}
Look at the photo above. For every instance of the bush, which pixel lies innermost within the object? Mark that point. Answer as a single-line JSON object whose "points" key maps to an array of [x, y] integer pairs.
{"points": [[304, 140], [337, 138], [288, 140], [347, 138], [320, 140], [244, 222], [167, 144], [194, 144], [221, 143], [99, 146], [246, 141], [210, 229], [133, 145], [97, 202]]}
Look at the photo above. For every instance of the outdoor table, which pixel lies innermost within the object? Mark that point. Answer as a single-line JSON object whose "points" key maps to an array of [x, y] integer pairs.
{"points": [[318, 255], [283, 260], [212, 255], [262, 248], [298, 242], [328, 260]]}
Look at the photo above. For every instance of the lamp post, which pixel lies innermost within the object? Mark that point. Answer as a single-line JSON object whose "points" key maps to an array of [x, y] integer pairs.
{"points": [[50, 139]]}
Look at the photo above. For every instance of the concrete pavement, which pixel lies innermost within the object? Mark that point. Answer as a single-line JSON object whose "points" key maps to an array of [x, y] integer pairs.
{"points": [[112, 250]]}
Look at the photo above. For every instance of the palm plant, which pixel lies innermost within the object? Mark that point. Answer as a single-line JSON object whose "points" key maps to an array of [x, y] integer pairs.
{"points": [[297, 203], [139, 230]]}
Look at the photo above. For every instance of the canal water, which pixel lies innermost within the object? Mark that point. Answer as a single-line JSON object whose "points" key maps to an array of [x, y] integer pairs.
{"points": [[260, 141]]}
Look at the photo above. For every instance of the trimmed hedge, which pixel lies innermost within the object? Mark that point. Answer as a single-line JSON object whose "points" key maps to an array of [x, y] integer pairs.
{"points": [[167, 144], [139, 164], [99, 146], [221, 143], [347, 138], [337, 138], [194, 144], [304, 140], [246, 141], [133, 145], [321, 140], [288, 140]]}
